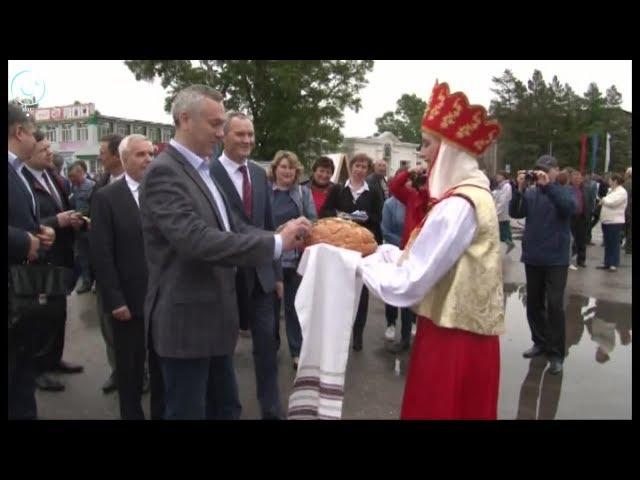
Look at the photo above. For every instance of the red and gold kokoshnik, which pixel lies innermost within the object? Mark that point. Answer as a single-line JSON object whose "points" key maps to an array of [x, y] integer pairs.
{"points": [[449, 116]]}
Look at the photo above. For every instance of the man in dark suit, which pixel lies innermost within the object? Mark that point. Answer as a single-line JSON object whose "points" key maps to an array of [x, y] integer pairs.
{"points": [[117, 249], [113, 171], [26, 239], [55, 212], [245, 186], [193, 245], [378, 181]]}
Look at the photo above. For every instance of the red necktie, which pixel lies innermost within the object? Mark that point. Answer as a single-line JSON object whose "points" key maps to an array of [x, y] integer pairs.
{"points": [[246, 190]]}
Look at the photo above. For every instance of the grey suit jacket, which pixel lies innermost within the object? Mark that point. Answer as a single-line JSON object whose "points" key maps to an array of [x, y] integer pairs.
{"points": [[190, 306], [261, 217]]}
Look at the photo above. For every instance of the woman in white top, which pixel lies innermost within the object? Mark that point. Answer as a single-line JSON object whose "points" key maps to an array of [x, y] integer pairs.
{"points": [[612, 218]]}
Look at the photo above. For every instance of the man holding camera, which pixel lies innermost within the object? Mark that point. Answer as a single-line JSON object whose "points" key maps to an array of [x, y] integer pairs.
{"points": [[547, 207]]}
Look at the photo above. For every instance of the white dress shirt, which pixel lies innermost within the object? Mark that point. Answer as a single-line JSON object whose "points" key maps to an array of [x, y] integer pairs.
{"points": [[113, 179], [17, 164], [133, 187], [360, 191], [233, 170], [40, 178], [446, 234], [202, 167]]}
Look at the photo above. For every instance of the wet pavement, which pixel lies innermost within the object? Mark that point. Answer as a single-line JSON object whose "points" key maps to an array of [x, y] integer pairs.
{"points": [[595, 384]]}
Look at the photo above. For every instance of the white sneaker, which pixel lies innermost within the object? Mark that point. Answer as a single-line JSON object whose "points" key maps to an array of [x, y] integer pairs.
{"points": [[414, 329], [572, 267], [390, 332], [613, 269]]}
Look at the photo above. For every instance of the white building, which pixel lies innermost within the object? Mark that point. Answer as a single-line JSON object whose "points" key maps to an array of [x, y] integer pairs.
{"points": [[75, 131], [385, 146]]}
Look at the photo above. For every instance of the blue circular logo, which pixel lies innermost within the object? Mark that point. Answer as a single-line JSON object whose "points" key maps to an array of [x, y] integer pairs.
{"points": [[27, 88]]}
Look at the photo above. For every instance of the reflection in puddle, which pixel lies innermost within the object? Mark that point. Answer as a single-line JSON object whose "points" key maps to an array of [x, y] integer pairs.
{"points": [[602, 319], [598, 333], [539, 400]]}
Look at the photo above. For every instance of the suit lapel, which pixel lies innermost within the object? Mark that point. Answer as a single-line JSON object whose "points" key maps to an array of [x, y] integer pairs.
{"points": [[222, 176], [129, 205], [197, 179], [257, 192], [30, 195], [39, 187], [58, 184]]}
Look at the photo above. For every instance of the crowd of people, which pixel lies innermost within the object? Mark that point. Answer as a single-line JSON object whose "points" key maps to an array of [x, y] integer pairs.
{"points": [[186, 250]]}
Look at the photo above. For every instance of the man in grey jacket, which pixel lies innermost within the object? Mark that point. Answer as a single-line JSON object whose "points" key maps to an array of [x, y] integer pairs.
{"points": [[193, 245]]}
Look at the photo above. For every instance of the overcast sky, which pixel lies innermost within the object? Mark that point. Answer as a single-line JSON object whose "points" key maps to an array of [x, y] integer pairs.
{"points": [[113, 89]]}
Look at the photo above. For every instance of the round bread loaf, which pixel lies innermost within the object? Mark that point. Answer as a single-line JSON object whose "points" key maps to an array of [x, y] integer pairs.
{"points": [[342, 233]]}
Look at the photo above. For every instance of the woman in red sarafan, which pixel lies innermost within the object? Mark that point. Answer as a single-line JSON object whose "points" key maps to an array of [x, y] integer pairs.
{"points": [[450, 271], [414, 199]]}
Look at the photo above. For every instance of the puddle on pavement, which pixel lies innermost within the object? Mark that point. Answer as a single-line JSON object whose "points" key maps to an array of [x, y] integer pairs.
{"points": [[596, 381]]}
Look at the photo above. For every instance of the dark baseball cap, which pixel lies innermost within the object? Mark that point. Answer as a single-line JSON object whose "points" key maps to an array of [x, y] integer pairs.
{"points": [[546, 163]]}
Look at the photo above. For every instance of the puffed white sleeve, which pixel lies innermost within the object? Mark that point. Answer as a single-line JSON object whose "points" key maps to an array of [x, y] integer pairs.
{"points": [[446, 234]]}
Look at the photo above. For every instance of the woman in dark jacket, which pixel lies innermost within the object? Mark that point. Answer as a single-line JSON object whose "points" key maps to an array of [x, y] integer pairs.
{"points": [[363, 206], [289, 200]]}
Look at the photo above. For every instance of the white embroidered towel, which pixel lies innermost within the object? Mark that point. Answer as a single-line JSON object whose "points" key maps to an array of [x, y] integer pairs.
{"points": [[326, 303]]}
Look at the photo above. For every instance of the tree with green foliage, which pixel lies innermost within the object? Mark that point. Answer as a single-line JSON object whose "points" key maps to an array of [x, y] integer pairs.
{"points": [[541, 117], [296, 105], [404, 121]]}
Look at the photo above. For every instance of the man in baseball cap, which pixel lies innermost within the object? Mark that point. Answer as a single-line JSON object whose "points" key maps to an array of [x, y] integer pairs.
{"points": [[548, 207]]}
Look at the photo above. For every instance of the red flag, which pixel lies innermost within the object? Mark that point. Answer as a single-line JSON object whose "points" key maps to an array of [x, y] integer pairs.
{"points": [[583, 152]]}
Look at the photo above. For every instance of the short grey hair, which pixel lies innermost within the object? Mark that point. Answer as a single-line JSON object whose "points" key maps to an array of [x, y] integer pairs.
{"points": [[126, 142], [190, 100], [231, 116]]}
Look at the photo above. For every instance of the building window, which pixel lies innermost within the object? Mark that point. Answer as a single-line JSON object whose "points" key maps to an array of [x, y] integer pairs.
{"points": [[387, 151], [52, 136], [66, 134], [138, 129], [166, 135], [154, 135], [122, 130], [105, 129], [83, 134]]}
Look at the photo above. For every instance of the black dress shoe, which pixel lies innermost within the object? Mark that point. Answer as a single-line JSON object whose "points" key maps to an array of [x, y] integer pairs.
{"points": [[582, 265], [66, 367], [110, 385], [555, 367], [533, 352], [45, 382]]}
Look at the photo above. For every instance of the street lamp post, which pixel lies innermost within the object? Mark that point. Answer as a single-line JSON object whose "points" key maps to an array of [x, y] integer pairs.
{"points": [[553, 134]]}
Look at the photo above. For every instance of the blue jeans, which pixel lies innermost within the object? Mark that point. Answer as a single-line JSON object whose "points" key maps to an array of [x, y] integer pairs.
{"points": [[611, 235], [505, 232], [200, 388], [291, 281], [82, 259]]}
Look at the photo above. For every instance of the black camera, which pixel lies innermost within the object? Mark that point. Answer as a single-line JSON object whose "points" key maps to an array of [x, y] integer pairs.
{"points": [[418, 180], [530, 176]]}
